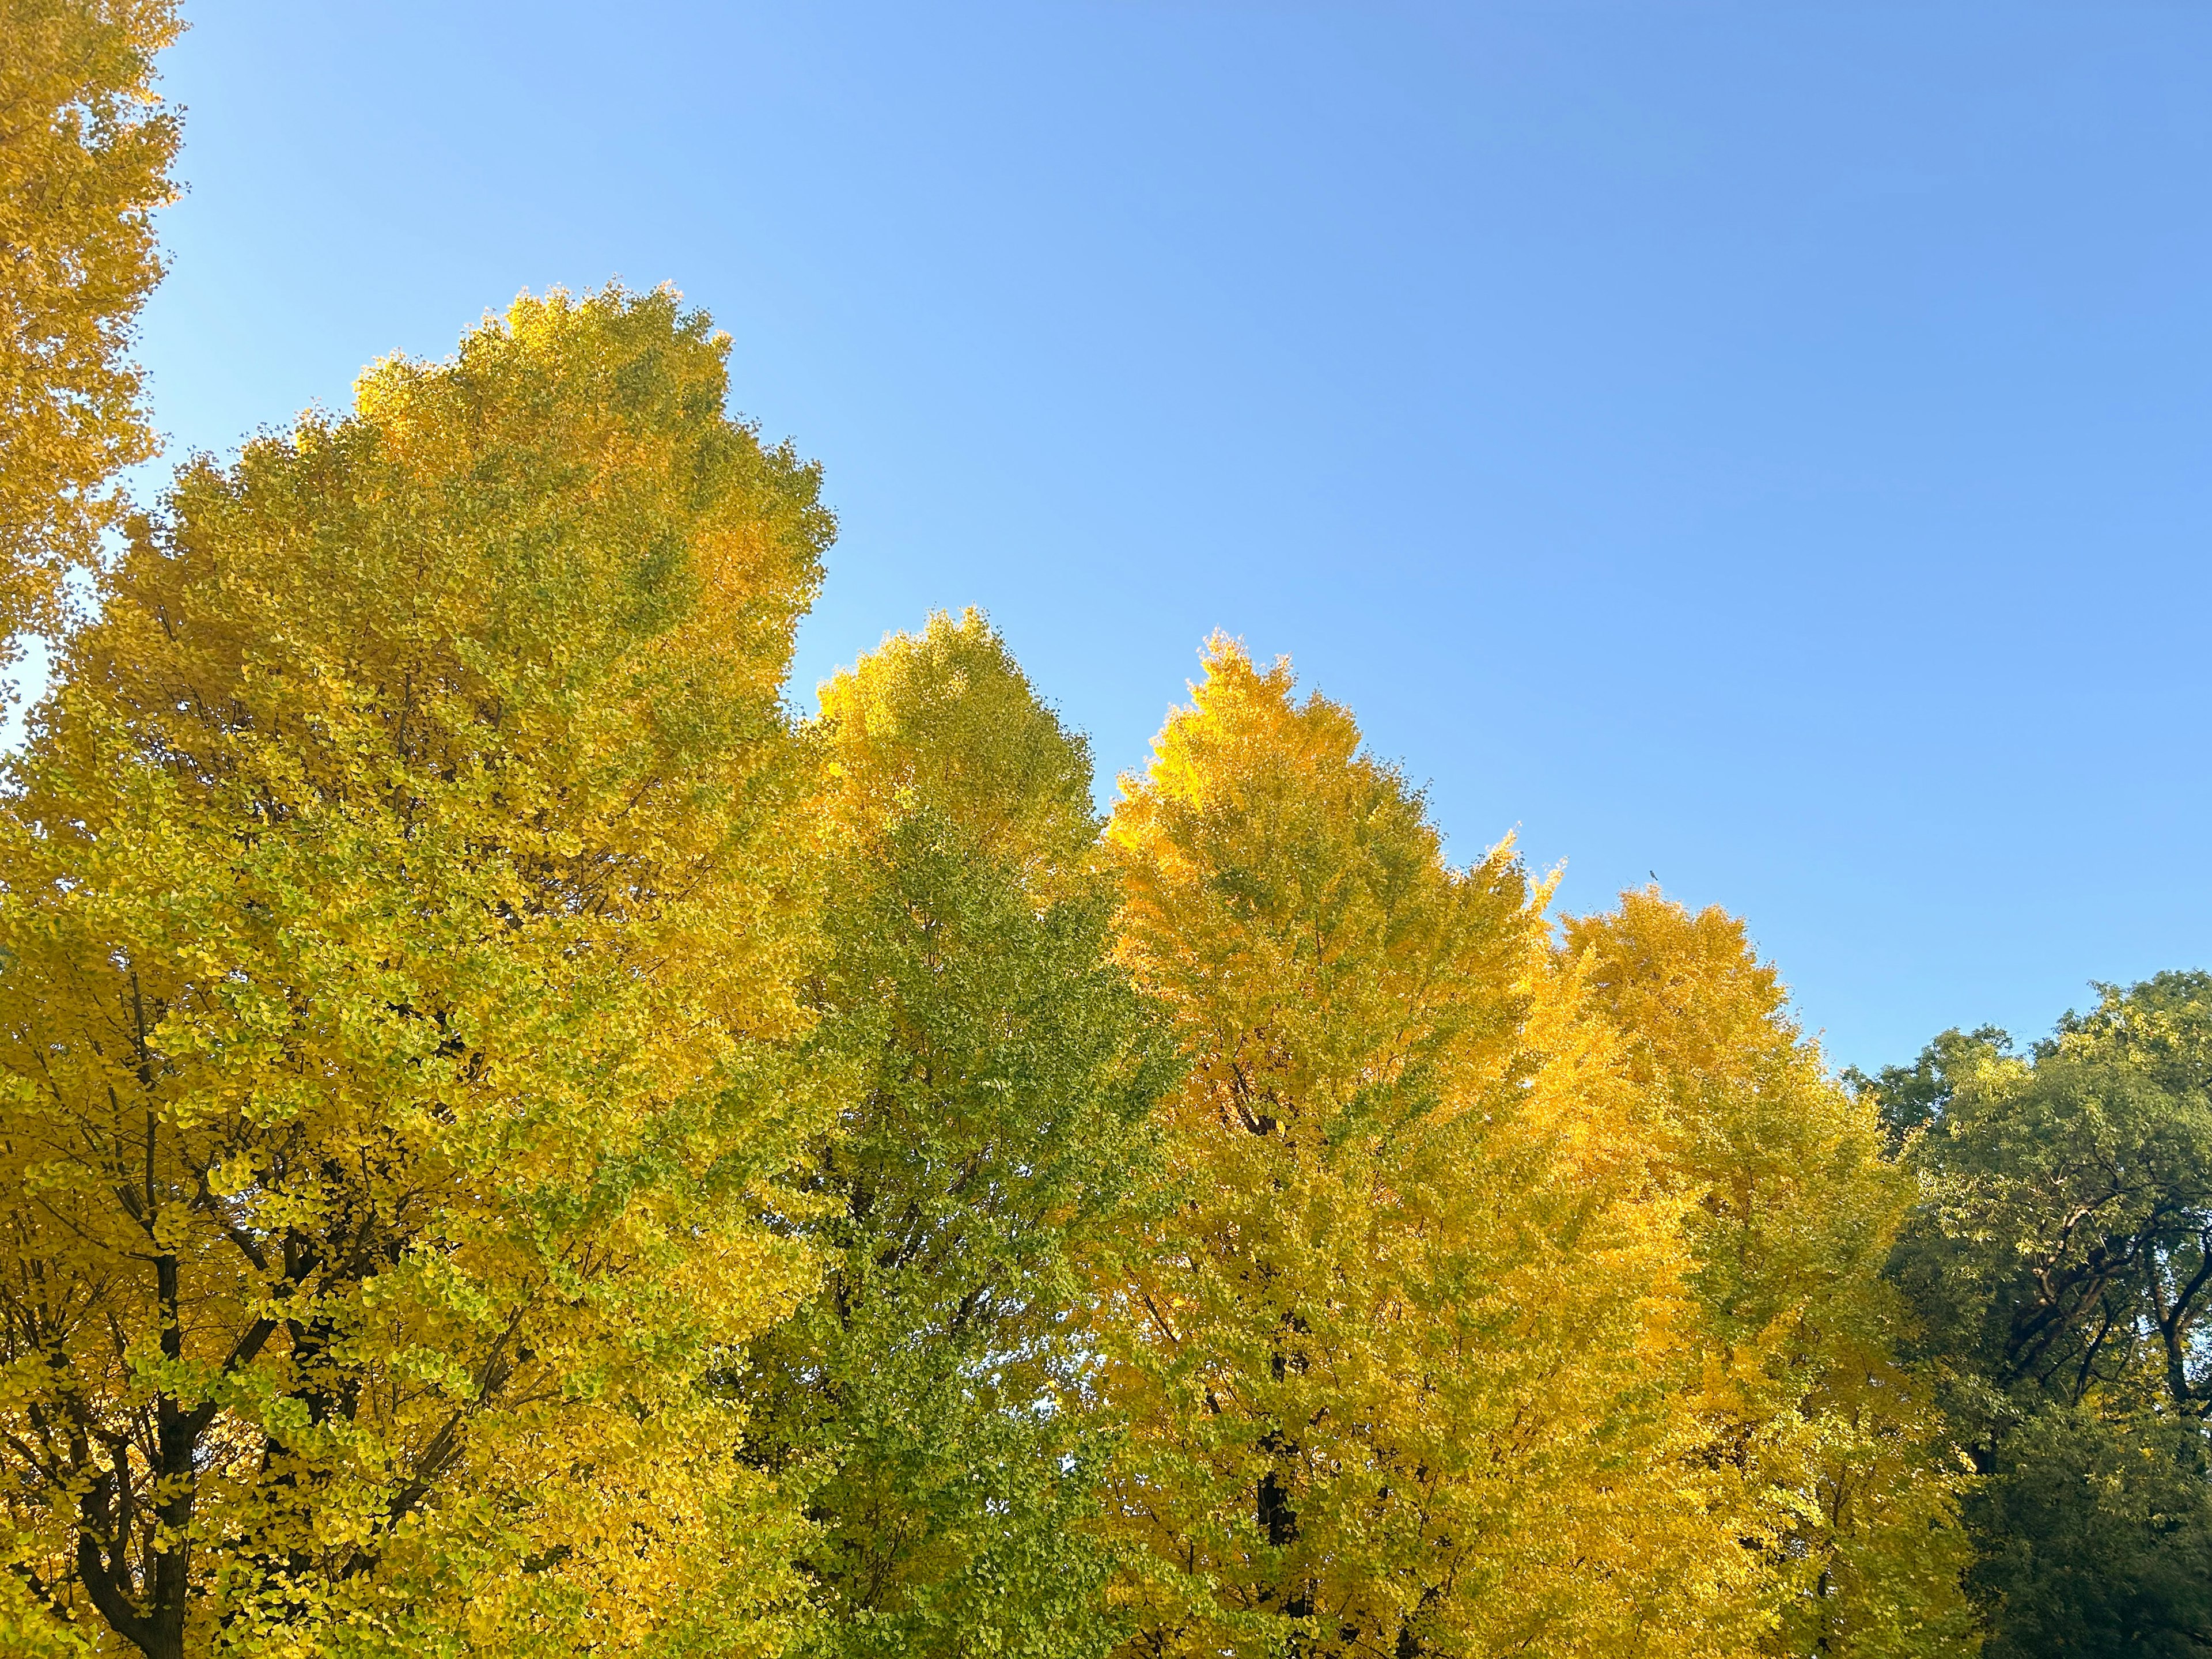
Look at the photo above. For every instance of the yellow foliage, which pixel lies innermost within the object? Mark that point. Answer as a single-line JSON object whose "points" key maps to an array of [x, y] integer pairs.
{"points": [[1404, 1352], [405, 886], [1841, 1454], [85, 148], [942, 719]]}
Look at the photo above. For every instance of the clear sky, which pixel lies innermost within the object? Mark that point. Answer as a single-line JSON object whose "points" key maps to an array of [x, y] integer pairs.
{"points": [[1762, 444]]}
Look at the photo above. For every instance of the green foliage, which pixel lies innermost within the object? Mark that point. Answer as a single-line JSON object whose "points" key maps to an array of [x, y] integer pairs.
{"points": [[932, 1399], [2095, 1532], [2062, 1267]]}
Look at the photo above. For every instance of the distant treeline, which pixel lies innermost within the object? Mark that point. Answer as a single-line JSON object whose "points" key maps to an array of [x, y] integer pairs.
{"points": [[513, 1141]]}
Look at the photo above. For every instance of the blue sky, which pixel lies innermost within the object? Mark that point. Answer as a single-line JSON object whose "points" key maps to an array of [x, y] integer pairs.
{"points": [[1765, 446]]}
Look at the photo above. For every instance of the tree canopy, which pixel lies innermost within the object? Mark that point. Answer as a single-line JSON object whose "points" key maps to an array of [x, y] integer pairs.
{"points": [[2063, 1269], [1842, 1459], [404, 899], [1400, 1347], [934, 1399]]}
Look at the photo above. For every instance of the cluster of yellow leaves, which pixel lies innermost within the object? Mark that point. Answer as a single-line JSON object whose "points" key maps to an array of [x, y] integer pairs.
{"points": [[85, 148], [1842, 1458], [404, 897], [944, 721], [1404, 1349]]}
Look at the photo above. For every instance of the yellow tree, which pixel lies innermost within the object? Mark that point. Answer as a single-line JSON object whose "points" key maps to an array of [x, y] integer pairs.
{"points": [[85, 148], [403, 898], [1847, 1476], [1400, 1349]]}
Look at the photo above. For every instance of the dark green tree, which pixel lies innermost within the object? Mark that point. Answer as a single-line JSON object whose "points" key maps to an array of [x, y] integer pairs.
{"points": [[933, 1396], [2062, 1268], [2095, 1537]]}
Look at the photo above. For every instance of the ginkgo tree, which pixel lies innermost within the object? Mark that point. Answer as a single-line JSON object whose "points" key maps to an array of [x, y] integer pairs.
{"points": [[1849, 1482], [934, 1399], [406, 885], [1401, 1349]]}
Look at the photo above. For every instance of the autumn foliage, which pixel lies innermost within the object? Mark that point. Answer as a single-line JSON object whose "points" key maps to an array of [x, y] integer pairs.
{"points": [[1402, 1346], [85, 148], [517, 1140], [405, 890]]}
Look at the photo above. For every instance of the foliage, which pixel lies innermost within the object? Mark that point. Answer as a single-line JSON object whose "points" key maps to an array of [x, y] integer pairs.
{"points": [[931, 1394], [1846, 1468], [1399, 1347], [404, 887], [2096, 1537], [85, 149], [2063, 1267]]}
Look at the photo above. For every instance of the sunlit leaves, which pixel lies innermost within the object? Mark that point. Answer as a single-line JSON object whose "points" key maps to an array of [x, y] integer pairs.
{"points": [[1400, 1346], [407, 881], [85, 149]]}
